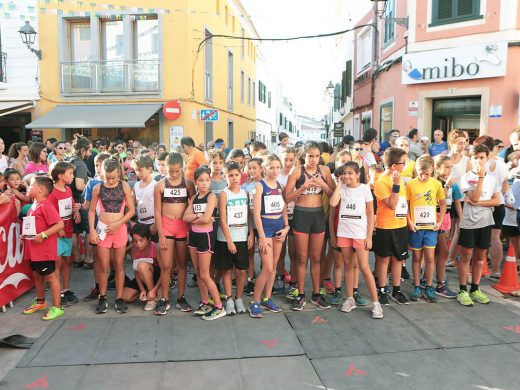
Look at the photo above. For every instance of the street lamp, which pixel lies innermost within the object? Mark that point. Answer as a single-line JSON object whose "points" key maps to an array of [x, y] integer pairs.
{"points": [[330, 88], [28, 35]]}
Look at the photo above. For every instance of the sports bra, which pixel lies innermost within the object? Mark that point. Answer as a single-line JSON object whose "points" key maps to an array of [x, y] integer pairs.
{"points": [[112, 200], [200, 204], [301, 181], [139, 255], [175, 194], [272, 199]]}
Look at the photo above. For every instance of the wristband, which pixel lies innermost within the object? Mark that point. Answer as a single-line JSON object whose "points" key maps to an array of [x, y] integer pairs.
{"points": [[396, 188], [44, 236], [481, 177]]}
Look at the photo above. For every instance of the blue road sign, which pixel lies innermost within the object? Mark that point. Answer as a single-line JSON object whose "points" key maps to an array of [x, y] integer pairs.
{"points": [[209, 115]]}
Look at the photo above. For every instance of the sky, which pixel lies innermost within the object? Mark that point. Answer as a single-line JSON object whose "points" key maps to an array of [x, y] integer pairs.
{"points": [[305, 67]]}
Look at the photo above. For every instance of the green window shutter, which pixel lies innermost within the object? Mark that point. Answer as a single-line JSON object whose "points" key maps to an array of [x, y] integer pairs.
{"points": [[445, 9], [338, 95], [344, 86], [465, 7], [348, 82]]}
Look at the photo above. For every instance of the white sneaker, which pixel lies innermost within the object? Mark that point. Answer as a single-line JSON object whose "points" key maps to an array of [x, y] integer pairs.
{"points": [[230, 307], [377, 311], [348, 305], [239, 305], [150, 305]]}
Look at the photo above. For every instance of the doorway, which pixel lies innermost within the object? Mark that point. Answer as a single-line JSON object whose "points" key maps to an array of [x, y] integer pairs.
{"points": [[461, 113]]}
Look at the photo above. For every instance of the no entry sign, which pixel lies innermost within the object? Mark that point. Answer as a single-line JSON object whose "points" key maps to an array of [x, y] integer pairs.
{"points": [[172, 110]]}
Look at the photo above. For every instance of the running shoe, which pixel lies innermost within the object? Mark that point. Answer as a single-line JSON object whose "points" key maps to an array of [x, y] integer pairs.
{"points": [[400, 298], [250, 288], [121, 306], [450, 264], [479, 296], [323, 291], [377, 311], [348, 305], [255, 310], [35, 306], [183, 305], [150, 305], [416, 294], [445, 291], [270, 305], [360, 301], [329, 287], [71, 297], [292, 293], [298, 303], [495, 276], [383, 298], [230, 307], [64, 300], [404, 273], [320, 301], [239, 306], [422, 284], [53, 313], [214, 314], [429, 294], [92, 296], [162, 307], [203, 309], [102, 306], [464, 298], [335, 299]]}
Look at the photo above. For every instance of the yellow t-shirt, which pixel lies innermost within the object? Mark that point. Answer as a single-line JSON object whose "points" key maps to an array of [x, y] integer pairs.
{"points": [[423, 197], [386, 218], [407, 173]]}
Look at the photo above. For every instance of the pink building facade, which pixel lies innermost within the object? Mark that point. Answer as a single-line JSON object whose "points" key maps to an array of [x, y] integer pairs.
{"points": [[454, 66]]}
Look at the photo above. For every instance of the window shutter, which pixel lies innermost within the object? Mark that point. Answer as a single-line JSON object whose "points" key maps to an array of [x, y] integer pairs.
{"points": [[348, 79], [338, 94], [465, 7], [444, 9]]}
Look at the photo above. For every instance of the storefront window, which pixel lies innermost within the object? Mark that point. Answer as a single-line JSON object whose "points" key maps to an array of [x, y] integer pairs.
{"points": [[386, 118]]}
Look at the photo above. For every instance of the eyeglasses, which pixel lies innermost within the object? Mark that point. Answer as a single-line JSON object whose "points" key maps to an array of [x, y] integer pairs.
{"points": [[61, 147], [500, 146], [357, 149], [395, 136]]}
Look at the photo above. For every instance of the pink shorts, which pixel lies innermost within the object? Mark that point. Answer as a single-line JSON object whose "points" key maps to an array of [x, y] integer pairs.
{"points": [[356, 243], [446, 223], [117, 240], [175, 229]]}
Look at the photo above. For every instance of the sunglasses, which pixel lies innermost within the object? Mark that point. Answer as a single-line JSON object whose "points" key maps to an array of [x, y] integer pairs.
{"points": [[357, 149], [500, 146], [61, 147], [400, 163]]}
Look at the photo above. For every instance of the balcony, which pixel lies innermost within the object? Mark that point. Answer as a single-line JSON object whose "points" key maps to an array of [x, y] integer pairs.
{"points": [[3, 68], [110, 77]]}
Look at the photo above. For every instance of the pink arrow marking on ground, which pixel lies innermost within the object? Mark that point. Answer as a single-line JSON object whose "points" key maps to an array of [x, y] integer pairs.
{"points": [[270, 343], [352, 370], [319, 320], [42, 382], [515, 329], [78, 327]]}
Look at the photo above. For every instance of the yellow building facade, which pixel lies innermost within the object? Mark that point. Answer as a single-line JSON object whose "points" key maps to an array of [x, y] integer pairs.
{"points": [[108, 67]]}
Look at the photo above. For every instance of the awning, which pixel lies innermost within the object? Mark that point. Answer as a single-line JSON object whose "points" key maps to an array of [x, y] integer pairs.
{"points": [[101, 116], [8, 107]]}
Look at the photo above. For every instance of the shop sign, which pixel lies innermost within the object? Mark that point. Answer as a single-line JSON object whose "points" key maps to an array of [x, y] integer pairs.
{"points": [[339, 128], [176, 133], [461, 63]]}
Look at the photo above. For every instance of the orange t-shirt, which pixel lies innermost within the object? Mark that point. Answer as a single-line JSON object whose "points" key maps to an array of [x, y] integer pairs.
{"points": [[386, 218], [194, 161]]}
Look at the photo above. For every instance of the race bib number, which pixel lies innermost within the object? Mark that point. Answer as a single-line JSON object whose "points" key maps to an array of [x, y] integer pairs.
{"points": [[424, 216], [65, 208], [312, 191], [145, 212], [352, 209], [251, 196], [175, 193], [237, 215], [449, 197], [199, 208], [401, 209], [29, 227], [101, 230], [273, 204]]}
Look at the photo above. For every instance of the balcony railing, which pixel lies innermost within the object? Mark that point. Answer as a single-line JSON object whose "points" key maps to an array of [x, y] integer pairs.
{"points": [[3, 68], [110, 77]]}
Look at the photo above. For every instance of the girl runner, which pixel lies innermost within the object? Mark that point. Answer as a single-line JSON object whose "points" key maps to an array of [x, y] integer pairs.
{"points": [[355, 151], [171, 196]]}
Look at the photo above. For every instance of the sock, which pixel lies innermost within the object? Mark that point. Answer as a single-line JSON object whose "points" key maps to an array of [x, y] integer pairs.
{"points": [[473, 288], [205, 302], [219, 306], [356, 290], [97, 286], [382, 289], [338, 289], [463, 287], [265, 299], [230, 297]]}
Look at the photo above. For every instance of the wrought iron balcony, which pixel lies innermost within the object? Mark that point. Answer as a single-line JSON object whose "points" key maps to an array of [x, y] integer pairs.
{"points": [[110, 77], [3, 68]]}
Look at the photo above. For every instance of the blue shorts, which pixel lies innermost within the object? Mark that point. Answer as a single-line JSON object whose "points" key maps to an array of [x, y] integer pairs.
{"points": [[64, 246], [271, 226], [422, 239]]}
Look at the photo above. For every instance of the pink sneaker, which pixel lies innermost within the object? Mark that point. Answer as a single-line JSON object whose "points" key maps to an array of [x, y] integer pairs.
{"points": [[329, 287]]}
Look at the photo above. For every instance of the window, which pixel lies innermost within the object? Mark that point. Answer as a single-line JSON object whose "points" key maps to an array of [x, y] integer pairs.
{"points": [[364, 50], [80, 45], [386, 118], [208, 67], [249, 91], [230, 132], [230, 81], [389, 24], [254, 94], [454, 11], [262, 92], [281, 119], [269, 99], [208, 132], [346, 82], [242, 86], [113, 68], [145, 69]]}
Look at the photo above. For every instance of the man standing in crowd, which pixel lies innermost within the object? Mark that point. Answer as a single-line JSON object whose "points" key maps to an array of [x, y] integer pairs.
{"points": [[415, 150], [392, 137], [370, 146], [438, 146], [220, 144], [196, 158]]}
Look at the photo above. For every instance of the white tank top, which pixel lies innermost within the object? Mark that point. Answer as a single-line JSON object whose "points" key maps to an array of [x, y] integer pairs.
{"points": [[236, 216], [459, 168], [145, 202]]}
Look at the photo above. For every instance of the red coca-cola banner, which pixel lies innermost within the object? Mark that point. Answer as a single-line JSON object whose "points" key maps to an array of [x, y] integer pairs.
{"points": [[15, 274]]}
